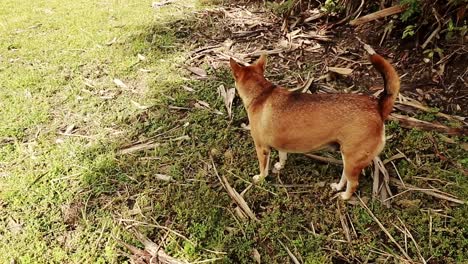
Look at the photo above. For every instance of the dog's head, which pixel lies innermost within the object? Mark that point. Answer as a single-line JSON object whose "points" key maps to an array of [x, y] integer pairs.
{"points": [[249, 79]]}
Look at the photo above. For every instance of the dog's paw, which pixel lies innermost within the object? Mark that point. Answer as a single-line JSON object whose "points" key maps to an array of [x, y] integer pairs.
{"points": [[277, 167], [336, 187], [345, 196], [258, 179]]}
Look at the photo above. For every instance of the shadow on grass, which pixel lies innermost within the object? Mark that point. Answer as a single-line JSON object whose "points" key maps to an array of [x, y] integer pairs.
{"points": [[193, 203]]}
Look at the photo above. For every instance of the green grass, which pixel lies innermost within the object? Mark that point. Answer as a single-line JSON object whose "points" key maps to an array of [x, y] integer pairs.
{"points": [[65, 199]]}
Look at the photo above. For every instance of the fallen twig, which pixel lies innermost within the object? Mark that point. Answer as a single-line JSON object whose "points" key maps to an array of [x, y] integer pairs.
{"points": [[238, 199], [411, 122], [379, 14], [431, 192]]}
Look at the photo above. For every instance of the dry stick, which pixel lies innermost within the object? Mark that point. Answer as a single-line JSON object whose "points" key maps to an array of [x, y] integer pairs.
{"points": [[238, 199], [427, 109], [384, 229], [294, 259], [435, 193], [410, 122], [379, 14], [343, 222]]}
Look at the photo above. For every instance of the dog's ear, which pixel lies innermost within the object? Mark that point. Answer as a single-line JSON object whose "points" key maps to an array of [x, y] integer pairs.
{"points": [[235, 68], [260, 64]]}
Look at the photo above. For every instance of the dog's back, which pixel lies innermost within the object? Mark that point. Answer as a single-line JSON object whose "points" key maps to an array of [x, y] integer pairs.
{"points": [[297, 122]]}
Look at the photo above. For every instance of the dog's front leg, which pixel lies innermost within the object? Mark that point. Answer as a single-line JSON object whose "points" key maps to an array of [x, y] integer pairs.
{"points": [[263, 155]]}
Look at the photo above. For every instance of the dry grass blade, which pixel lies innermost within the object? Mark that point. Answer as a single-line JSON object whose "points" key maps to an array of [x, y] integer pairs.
{"points": [[238, 199], [138, 147], [433, 192], [379, 14], [325, 159], [384, 229], [156, 251], [294, 258]]}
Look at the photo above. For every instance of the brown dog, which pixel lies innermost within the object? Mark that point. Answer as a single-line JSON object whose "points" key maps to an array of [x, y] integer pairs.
{"points": [[299, 122]]}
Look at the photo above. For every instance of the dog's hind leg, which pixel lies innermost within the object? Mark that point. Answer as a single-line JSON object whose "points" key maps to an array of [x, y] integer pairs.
{"points": [[283, 156], [341, 184], [355, 159]]}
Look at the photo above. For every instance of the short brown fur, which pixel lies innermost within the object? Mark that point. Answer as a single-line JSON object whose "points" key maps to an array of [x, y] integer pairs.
{"points": [[299, 122]]}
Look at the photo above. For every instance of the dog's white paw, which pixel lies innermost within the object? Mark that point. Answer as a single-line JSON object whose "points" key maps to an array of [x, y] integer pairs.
{"points": [[336, 187], [277, 167], [258, 178], [345, 195]]}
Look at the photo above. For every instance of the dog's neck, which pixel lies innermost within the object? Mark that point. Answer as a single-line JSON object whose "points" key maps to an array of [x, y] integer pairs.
{"points": [[250, 93]]}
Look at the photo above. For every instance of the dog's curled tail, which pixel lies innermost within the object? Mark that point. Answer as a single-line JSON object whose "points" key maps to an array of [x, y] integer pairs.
{"points": [[391, 84]]}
